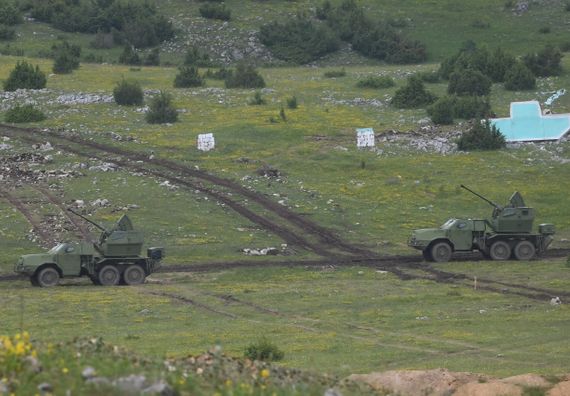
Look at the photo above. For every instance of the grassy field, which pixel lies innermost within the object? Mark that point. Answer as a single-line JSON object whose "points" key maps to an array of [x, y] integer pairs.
{"points": [[336, 320]]}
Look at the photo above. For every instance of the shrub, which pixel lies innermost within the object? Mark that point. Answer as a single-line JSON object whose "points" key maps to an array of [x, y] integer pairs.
{"points": [[161, 110], [263, 350], [545, 63], [298, 40], [25, 76], [152, 58], [139, 22], [292, 102], [66, 57], [371, 38], [257, 99], [129, 56], [9, 13], [468, 107], [446, 109], [128, 93], [412, 95], [187, 77], [215, 11], [282, 114], [519, 78], [245, 76], [25, 113], [103, 40], [195, 57], [469, 82], [493, 65], [6, 32], [441, 112], [482, 136], [335, 73], [376, 82], [544, 30]]}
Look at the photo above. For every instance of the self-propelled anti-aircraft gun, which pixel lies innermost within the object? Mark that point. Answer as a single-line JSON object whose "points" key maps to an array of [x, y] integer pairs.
{"points": [[114, 258], [507, 234]]}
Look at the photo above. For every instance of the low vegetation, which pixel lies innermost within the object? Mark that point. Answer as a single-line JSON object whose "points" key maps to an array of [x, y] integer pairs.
{"points": [[482, 136], [128, 93], [413, 95], [24, 113], [161, 110], [25, 76]]}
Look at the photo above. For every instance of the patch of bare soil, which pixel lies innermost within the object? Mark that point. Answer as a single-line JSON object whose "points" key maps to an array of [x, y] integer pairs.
{"points": [[441, 382]]}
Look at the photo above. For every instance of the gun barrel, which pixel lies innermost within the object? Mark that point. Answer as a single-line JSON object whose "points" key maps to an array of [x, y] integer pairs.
{"points": [[482, 197], [87, 220]]}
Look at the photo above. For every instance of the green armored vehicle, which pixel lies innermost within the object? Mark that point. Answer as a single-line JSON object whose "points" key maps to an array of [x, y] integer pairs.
{"points": [[113, 259], [508, 234]]}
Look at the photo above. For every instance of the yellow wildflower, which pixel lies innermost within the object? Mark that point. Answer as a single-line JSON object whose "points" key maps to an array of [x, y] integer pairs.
{"points": [[265, 373]]}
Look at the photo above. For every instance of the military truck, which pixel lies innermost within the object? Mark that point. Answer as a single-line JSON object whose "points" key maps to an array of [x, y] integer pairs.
{"points": [[507, 235], [112, 259]]}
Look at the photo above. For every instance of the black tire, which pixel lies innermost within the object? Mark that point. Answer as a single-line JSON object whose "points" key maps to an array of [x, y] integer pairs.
{"points": [[500, 250], [524, 250], [108, 275], [441, 252], [134, 275], [47, 277], [427, 255], [34, 281]]}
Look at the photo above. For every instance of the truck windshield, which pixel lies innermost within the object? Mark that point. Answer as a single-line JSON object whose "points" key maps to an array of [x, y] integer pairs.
{"points": [[57, 248], [448, 224]]}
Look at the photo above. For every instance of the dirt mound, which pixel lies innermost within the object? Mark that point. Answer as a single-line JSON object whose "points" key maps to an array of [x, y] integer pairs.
{"points": [[418, 382], [441, 382]]}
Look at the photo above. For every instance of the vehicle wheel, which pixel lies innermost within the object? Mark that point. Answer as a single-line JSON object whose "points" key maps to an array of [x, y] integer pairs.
{"points": [[441, 252], [109, 275], [524, 250], [134, 275], [34, 281], [427, 255], [500, 250], [47, 277], [95, 280]]}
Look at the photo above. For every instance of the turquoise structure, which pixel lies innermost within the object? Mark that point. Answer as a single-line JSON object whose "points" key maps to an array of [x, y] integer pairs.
{"points": [[527, 123]]}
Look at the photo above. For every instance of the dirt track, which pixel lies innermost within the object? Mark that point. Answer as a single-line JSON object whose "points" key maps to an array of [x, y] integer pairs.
{"points": [[290, 226]]}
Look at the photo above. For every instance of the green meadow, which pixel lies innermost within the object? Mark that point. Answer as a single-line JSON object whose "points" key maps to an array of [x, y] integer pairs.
{"points": [[331, 320]]}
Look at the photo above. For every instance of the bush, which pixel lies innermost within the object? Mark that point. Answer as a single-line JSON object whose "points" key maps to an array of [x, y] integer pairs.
{"points": [[369, 37], [335, 73], [245, 76], [412, 95], [215, 11], [493, 65], [263, 350], [441, 112], [482, 136], [25, 113], [376, 82], [139, 22], [469, 82], [103, 40], [545, 63], [161, 110], [446, 109], [6, 32], [129, 56], [468, 107], [9, 13], [152, 58], [257, 99], [195, 57], [298, 40], [25, 76], [128, 93], [188, 77], [66, 57], [519, 78], [292, 102]]}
